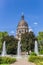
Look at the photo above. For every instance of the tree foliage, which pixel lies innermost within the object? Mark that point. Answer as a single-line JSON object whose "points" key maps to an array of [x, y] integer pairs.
{"points": [[40, 36], [2, 35], [40, 40], [11, 44], [27, 41]]}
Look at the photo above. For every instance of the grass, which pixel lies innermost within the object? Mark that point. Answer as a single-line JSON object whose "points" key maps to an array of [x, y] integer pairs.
{"points": [[4, 64]]}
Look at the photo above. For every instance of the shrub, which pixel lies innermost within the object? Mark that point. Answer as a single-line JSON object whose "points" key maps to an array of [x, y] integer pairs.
{"points": [[0, 60], [7, 60], [38, 60], [41, 52], [35, 58], [33, 54]]}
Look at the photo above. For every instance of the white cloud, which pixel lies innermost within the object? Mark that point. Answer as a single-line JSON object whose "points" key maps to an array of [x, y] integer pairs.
{"points": [[35, 23], [12, 32], [30, 30]]}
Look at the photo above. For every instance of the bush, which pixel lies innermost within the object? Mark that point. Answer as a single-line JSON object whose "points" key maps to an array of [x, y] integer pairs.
{"points": [[0, 60], [35, 58], [38, 60], [41, 52], [33, 54], [7, 60]]}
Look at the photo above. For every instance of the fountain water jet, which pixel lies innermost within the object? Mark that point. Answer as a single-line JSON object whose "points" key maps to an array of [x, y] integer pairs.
{"points": [[36, 48], [4, 50], [19, 49]]}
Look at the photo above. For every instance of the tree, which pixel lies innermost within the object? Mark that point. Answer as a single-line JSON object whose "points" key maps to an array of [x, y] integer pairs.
{"points": [[2, 35], [11, 44], [27, 41], [40, 36], [40, 40]]}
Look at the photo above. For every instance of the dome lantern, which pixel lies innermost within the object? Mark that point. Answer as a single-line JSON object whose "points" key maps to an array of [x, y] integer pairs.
{"points": [[22, 17]]}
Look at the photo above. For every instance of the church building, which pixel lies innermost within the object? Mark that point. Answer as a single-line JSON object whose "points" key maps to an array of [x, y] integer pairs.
{"points": [[22, 27]]}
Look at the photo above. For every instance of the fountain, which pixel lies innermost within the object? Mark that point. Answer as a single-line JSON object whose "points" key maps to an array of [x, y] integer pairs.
{"points": [[19, 49], [4, 50], [36, 48]]}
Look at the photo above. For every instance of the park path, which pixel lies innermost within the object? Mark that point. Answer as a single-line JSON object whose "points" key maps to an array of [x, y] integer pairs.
{"points": [[22, 62]]}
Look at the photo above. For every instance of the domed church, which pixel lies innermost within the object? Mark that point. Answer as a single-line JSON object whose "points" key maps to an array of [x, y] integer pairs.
{"points": [[22, 27]]}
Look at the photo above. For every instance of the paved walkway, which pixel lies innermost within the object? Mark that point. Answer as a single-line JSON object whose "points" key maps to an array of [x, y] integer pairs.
{"points": [[22, 62]]}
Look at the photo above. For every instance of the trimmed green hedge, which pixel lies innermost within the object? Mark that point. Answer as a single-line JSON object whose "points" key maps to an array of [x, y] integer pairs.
{"points": [[7, 60]]}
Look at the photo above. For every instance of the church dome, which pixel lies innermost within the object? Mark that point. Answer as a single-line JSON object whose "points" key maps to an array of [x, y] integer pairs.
{"points": [[22, 22], [22, 27]]}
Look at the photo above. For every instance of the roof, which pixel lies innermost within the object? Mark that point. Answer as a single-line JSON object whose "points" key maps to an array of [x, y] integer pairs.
{"points": [[22, 22]]}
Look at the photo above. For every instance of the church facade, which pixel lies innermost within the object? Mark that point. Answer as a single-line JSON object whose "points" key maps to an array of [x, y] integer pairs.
{"points": [[22, 27]]}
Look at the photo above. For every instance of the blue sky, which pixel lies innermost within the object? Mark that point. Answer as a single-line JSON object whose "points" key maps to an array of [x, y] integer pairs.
{"points": [[11, 10]]}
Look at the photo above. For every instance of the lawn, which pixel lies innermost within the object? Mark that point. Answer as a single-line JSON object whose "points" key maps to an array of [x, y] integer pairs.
{"points": [[4, 64]]}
